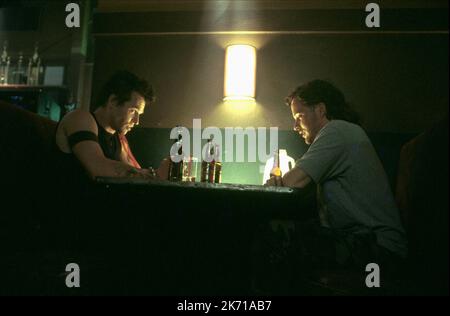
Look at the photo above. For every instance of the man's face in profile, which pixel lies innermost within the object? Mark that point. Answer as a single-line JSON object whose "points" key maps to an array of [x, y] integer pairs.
{"points": [[126, 115], [306, 120]]}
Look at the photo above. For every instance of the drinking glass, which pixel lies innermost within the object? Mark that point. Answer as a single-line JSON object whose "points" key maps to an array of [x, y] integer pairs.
{"points": [[190, 166]]}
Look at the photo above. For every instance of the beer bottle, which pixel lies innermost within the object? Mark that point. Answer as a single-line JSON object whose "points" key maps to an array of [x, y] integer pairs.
{"points": [[176, 168], [276, 171], [206, 163], [212, 164], [217, 166]]}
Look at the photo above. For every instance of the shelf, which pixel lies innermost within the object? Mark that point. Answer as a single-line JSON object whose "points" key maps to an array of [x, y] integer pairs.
{"points": [[28, 87]]}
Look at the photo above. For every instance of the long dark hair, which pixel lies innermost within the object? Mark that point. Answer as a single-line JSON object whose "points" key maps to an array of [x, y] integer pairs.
{"points": [[317, 91]]}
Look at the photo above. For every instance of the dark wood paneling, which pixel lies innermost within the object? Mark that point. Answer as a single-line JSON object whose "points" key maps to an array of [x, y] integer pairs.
{"points": [[269, 21]]}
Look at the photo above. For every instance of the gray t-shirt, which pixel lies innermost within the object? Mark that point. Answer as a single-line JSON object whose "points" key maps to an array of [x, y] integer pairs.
{"points": [[352, 185]]}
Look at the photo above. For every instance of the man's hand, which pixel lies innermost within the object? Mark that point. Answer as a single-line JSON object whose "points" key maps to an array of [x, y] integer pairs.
{"points": [[163, 170], [140, 173], [149, 173], [274, 181], [294, 178]]}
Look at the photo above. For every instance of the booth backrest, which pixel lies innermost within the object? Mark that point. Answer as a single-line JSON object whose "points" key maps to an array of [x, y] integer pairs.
{"points": [[26, 141], [422, 197]]}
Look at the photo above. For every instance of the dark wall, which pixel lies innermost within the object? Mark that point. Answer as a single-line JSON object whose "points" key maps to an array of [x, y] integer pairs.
{"points": [[46, 26], [397, 82], [396, 77]]}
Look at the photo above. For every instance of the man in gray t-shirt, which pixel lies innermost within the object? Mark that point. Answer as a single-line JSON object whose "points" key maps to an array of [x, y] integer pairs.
{"points": [[353, 188], [353, 191]]}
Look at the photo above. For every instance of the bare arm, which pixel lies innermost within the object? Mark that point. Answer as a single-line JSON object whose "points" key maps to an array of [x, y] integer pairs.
{"points": [[90, 154], [91, 157], [294, 178]]}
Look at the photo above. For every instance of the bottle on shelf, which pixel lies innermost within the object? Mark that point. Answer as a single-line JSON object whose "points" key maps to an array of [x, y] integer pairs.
{"points": [[5, 60], [18, 76], [34, 66]]}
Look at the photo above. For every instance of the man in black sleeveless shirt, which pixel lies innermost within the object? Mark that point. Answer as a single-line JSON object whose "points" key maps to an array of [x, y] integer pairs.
{"points": [[97, 138]]}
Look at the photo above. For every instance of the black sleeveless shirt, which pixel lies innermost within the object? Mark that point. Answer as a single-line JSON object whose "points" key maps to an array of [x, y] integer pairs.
{"points": [[71, 178], [110, 143], [68, 170]]}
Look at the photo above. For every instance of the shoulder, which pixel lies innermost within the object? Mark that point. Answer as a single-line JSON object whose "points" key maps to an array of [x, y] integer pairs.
{"points": [[78, 120], [78, 114], [343, 125], [344, 129], [337, 133]]}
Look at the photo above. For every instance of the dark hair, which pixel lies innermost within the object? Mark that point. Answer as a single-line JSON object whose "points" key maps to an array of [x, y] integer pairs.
{"points": [[317, 91], [122, 84]]}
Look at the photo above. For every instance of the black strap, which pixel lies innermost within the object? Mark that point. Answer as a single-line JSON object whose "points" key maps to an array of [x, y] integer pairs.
{"points": [[80, 136]]}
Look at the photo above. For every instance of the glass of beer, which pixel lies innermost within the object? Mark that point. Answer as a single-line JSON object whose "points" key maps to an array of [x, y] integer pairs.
{"points": [[190, 166]]}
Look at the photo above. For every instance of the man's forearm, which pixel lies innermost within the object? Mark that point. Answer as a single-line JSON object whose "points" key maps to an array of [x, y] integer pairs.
{"points": [[124, 170], [112, 168], [296, 178]]}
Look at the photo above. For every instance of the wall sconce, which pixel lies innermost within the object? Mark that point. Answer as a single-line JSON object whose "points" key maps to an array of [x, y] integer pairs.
{"points": [[240, 72]]}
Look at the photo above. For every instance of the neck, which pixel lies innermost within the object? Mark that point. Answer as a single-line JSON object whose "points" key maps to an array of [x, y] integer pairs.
{"points": [[324, 122], [321, 125], [102, 117]]}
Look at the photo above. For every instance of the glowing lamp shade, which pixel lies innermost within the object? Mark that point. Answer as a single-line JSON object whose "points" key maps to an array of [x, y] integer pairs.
{"points": [[240, 72]]}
